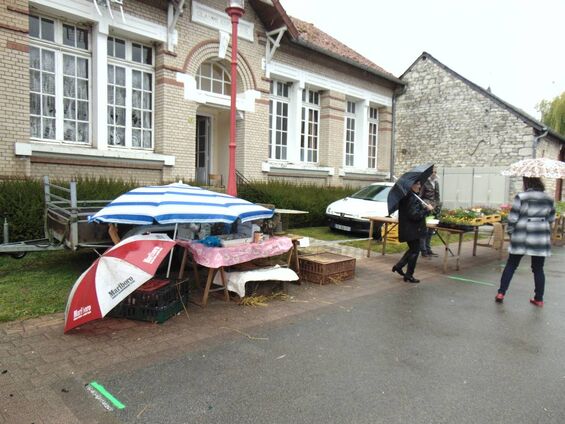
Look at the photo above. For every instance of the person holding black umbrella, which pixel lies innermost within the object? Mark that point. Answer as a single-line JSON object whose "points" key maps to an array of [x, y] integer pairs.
{"points": [[429, 192], [412, 212]]}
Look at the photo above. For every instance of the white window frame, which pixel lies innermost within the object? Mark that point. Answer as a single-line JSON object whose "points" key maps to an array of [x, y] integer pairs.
{"points": [[225, 81], [350, 133], [137, 28], [60, 50], [278, 135], [373, 141], [113, 127], [310, 141], [129, 65]]}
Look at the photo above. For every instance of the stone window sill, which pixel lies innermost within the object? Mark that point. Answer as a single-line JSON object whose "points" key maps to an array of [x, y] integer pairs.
{"points": [[87, 152], [288, 168]]}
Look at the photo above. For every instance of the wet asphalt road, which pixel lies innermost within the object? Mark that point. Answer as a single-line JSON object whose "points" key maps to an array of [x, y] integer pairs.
{"points": [[438, 352]]}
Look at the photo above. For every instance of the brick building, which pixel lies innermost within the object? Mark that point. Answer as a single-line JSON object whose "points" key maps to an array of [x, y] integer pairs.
{"points": [[469, 133], [143, 93]]}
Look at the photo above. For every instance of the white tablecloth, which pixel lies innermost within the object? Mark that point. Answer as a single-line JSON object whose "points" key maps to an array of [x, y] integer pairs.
{"points": [[237, 279]]}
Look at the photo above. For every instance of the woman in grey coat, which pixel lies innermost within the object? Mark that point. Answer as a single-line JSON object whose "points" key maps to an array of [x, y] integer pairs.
{"points": [[529, 226]]}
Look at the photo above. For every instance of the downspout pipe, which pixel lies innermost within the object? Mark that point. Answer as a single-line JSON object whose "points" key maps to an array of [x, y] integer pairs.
{"points": [[396, 93], [537, 140]]}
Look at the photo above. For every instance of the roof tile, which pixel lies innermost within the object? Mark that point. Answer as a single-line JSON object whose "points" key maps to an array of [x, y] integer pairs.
{"points": [[315, 36]]}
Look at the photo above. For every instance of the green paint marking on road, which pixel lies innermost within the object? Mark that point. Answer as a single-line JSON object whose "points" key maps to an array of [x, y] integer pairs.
{"points": [[107, 395], [484, 283]]}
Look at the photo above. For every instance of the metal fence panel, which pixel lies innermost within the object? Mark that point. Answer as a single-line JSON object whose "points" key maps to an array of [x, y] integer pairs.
{"points": [[489, 188], [472, 186]]}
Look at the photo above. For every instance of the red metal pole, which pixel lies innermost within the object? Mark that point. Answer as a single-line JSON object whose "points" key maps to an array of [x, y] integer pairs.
{"points": [[234, 13]]}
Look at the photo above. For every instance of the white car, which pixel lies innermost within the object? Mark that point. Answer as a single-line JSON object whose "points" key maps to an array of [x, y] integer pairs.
{"points": [[348, 214]]}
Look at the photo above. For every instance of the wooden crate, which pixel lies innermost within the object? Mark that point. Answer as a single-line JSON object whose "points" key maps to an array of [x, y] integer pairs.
{"points": [[490, 219], [469, 222], [558, 230], [326, 267], [392, 235]]}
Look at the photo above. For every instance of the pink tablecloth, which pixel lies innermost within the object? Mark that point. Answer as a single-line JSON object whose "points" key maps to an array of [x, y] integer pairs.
{"points": [[215, 257]]}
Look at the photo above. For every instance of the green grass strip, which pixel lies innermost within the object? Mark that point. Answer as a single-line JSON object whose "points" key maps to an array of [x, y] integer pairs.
{"points": [[471, 281], [107, 395]]}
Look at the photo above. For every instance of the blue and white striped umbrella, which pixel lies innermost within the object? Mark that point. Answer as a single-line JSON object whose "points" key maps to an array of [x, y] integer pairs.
{"points": [[178, 203]]}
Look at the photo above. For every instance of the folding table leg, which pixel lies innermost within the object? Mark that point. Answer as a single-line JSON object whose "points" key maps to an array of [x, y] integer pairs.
{"points": [[475, 239], [210, 280], [225, 284], [370, 238], [182, 267], [459, 251], [384, 239], [211, 273], [183, 263], [292, 261], [196, 275], [289, 258], [297, 262], [446, 242]]}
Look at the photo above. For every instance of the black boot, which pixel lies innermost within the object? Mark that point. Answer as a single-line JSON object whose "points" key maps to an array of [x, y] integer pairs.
{"points": [[398, 270], [410, 279]]}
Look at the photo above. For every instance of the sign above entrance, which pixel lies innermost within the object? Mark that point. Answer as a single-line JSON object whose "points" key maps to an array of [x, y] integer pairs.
{"points": [[218, 19]]}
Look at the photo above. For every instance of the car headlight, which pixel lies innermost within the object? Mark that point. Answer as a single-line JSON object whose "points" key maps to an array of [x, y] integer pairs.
{"points": [[329, 210]]}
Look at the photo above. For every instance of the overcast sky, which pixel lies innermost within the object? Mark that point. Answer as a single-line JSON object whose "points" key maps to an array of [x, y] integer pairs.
{"points": [[513, 46]]}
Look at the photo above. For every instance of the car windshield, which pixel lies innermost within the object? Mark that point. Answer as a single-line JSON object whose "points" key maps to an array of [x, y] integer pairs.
{"points": [[377, 193]]}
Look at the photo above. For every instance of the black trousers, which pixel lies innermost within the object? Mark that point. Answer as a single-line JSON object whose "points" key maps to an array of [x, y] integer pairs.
{"points": [[426, 242], [410, 257], [537, 269]]}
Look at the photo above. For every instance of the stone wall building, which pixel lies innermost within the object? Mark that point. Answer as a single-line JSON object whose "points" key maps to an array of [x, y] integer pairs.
{"points": [[86, 90], [443, 118]]}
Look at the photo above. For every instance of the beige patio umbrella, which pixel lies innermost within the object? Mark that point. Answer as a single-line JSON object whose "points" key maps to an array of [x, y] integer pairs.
{"points": [[539, 167]]}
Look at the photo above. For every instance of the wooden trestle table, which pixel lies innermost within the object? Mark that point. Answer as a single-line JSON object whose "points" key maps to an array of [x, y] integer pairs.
{"points": [[390, 223]]}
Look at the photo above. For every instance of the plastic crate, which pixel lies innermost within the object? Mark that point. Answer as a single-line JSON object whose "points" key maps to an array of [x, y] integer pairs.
{"points": [[326, 267], [158, 314], [155, 301], [157, 293]]}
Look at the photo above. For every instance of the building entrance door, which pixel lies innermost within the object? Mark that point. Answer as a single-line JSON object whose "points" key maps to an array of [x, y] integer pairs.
{"points": [[202, 149]]}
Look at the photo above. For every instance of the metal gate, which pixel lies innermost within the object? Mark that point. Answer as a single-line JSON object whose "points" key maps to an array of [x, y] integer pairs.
{"points": [[477, 186]]}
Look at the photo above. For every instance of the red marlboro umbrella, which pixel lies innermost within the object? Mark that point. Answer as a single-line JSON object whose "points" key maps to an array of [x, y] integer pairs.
{"points": [[114, 275]]}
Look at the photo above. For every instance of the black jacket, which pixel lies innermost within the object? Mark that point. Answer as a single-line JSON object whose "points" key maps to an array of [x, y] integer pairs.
{"points": [[411, 218], [430, 192]]}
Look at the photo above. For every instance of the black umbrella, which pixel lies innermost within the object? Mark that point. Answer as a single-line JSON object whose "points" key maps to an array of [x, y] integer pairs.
{"points": [[403, 185]]}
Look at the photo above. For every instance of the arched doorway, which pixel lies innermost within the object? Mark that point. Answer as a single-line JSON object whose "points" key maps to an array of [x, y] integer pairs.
{"points": [[213, 78]]}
